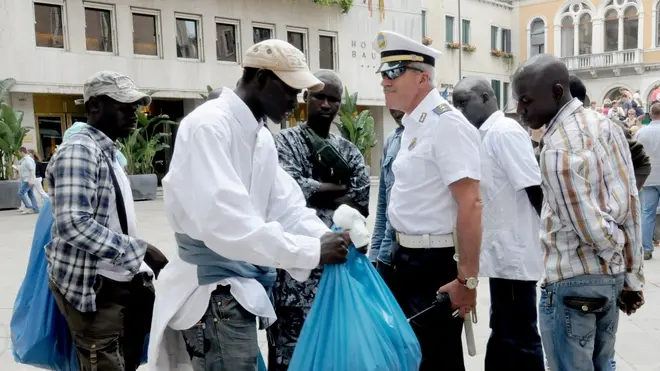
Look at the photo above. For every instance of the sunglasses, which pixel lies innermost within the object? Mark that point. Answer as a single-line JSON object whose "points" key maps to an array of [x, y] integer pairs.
{"points": [[397, 72]]}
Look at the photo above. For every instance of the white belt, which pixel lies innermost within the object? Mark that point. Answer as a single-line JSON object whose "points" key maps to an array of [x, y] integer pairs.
{"points": [[425, 241]]}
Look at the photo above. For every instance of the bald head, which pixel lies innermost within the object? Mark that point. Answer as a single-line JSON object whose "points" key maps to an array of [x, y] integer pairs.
{"points": [[541, 87], [475, 98]]}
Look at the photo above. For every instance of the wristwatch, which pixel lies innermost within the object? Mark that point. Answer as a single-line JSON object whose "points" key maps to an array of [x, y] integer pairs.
{"points": [[470, 282]]}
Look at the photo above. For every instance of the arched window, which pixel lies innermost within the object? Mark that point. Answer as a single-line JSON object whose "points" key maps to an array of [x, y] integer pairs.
{"points": [[630, 28], [537, 37], [567, 37], [621, 25], [584, 32], [576, 29], [611, 31]]}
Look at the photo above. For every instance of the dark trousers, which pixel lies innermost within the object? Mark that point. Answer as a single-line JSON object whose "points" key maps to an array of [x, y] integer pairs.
{"points": [[514, 343], [112, 338], [420, 273], [388, 274]]}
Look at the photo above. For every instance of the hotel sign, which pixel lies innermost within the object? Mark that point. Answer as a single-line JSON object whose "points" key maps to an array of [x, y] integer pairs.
{"points": [[362, 49]]}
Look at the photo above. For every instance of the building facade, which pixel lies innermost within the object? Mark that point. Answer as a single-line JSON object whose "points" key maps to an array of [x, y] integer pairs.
{"points": [[477, 38], [609, 44], [176, 48]]}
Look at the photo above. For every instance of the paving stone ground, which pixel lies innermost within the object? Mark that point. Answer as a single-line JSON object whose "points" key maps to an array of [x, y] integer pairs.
{"points": [[638, 336]]}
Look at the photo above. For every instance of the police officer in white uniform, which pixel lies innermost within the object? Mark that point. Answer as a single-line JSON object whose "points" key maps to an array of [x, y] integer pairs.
{"points": [[434, 203]]}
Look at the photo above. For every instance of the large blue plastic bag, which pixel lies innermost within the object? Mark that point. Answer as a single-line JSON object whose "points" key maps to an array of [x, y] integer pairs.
{"points": [[39, 333], [355, 324]]}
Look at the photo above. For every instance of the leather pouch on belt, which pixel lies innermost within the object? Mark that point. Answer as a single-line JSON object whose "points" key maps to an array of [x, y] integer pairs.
{"points": [[586, 305]]}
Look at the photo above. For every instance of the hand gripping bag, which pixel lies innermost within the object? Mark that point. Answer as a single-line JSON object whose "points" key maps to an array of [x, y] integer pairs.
{"points": [[355, 324]]}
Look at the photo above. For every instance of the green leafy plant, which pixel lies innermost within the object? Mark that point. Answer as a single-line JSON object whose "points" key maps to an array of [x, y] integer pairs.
{"points": [[508, 60], [12, 132], [209, 89], [358, 128], [469, 48], [141, 146], [346, 5]]}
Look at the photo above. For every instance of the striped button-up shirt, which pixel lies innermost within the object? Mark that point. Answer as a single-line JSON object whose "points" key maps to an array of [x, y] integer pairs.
{"points": [[590, 223], [81, 192]]}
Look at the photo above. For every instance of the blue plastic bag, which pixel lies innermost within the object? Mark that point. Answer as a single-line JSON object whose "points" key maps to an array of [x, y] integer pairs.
{"points": [[261, 364], [39, 333], [355, 324]]}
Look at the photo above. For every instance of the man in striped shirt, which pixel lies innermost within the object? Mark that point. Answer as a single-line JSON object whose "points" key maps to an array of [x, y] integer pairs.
{"points": [[590, 220]]}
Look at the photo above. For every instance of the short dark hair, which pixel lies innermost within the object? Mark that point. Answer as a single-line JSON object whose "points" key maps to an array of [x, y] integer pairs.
{"points": [[578, 90], [23, 150]]}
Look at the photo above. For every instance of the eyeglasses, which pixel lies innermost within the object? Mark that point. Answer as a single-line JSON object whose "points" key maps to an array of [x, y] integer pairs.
{"points": [[397, 72]]}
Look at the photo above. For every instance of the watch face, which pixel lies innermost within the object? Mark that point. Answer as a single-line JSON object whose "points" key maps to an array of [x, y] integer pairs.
{"points": [[471, 283]]}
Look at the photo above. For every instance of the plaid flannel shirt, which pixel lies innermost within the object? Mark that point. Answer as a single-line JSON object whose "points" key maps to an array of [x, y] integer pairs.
{"points": [[81, 189], [591, 212]]}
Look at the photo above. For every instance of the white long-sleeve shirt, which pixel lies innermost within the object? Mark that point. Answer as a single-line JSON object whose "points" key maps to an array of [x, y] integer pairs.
{"points": [[226, 188]]}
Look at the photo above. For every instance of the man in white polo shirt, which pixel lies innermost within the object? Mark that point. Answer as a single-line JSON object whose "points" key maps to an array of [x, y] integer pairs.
{"points": [[511, 249], [435, 192]]}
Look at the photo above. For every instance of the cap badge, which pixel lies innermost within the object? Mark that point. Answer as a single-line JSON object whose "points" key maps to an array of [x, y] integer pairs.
{"points": [[412, 144], [380, 41]]}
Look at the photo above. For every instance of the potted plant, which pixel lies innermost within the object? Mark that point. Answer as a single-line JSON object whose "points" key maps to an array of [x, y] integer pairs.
{"points": [[12, 134], [496, 53], [344, 4], [140, 148], [469, 48], [453, 45], [358, 128]]}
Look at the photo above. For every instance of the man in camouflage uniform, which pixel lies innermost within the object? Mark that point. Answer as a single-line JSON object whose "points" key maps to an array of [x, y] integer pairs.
{"points": [[325, 191]]}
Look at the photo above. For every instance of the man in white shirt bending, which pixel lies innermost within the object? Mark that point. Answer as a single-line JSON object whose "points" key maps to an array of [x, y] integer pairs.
{"points": [[237, 216], [510, 250]]}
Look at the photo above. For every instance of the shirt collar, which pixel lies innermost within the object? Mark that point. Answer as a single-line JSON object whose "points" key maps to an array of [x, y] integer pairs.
{"points": [[567, 110], [491, 120], [241, 111], [106, 144], [655, 122], [418, 115]]}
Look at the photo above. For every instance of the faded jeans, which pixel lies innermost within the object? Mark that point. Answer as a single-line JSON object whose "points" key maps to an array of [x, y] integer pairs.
{"points": [[225, 339], [26, 194], [578, 318], [650, 197]]}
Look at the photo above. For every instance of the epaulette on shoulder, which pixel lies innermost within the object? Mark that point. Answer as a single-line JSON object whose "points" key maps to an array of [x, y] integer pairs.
{"points": [[442, 108]]}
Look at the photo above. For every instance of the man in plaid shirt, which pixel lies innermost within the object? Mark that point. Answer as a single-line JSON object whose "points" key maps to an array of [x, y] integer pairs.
{"points": [[94, 258], [590, 221]]}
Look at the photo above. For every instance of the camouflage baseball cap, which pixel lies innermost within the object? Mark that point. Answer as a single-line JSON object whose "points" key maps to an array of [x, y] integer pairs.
{"points": [[114, 85]]}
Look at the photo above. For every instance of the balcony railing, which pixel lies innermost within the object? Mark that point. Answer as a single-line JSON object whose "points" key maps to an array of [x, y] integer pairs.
{"points": [[604, 60]]}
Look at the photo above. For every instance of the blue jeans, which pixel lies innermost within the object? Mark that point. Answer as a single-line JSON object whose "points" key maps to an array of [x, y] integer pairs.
{"points": [[650, 197], [225, 339], [578, 319], [514, 342], [27, 196]]}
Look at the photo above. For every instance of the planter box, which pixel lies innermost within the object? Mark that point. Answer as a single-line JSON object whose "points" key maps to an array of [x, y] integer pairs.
{"points": [[9, 194], [144, 186]]}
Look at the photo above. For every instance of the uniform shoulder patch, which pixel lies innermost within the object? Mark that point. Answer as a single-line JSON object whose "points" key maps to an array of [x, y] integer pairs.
{"points": [[442, 108]]}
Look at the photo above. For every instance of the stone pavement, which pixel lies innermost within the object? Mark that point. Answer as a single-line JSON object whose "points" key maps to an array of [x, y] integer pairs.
{"points": [[638, 335]]}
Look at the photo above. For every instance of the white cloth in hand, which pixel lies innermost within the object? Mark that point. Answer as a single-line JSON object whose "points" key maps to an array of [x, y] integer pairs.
{"points": [[351, 220]]}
